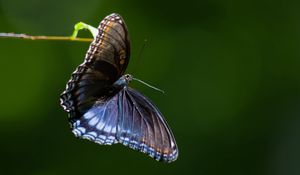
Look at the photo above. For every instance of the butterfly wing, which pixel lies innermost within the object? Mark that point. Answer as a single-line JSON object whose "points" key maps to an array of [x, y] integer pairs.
{"points": [[142, 127], [99, 123], [105, 61]]}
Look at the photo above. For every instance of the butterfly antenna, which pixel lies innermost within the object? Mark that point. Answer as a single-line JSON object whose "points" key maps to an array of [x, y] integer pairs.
{"points": [[142, 49], [150, 86], [140, 54]]}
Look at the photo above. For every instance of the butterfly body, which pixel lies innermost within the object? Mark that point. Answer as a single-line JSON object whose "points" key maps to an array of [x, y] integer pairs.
{"points": [[104, 109]]}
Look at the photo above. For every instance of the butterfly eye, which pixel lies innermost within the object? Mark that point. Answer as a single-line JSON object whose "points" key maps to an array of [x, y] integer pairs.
{"points": [[128, 77]]}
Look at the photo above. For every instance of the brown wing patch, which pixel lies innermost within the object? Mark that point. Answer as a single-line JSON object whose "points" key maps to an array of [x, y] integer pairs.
{"points": [[105, 62]]}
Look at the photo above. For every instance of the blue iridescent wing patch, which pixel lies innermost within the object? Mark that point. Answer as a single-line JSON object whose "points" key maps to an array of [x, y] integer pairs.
{"points": [[101, 106], [99, 123], [142, 127]]}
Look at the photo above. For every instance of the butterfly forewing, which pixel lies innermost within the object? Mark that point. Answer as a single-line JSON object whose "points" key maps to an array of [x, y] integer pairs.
{"points": [[110, 51], [105, 61]]}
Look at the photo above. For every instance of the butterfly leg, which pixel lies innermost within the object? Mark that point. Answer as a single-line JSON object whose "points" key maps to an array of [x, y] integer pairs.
{"points": [[80, 26]]}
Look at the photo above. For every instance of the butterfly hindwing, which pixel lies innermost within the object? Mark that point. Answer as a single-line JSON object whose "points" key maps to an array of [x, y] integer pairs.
{"points": [[142, 127], [99, 123]]}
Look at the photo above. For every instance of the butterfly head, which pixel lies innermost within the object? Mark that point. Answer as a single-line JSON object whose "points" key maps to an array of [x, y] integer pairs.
{"points": [[128, 78], [124, 80]]}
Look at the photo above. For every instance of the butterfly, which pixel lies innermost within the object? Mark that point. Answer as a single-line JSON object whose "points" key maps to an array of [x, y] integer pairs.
{"points": [[104, 109]]}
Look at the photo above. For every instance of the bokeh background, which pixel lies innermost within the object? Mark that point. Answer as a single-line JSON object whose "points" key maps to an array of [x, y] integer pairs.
{"points": [[230, 69]]}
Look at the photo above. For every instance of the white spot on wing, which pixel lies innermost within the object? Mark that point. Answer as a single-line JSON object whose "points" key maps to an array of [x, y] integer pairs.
{"points": [[94, 121], [93, 134], [111, 137], [107, 128], [100, 125], [114, 130], [88, 115], [81, 129], [76, 124], [103, 137]]}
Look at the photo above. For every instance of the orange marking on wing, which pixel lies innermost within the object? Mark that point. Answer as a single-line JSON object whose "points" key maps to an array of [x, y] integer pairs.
{"points": [[107, 27], [122, 56], [158, 150], [166, 151]]}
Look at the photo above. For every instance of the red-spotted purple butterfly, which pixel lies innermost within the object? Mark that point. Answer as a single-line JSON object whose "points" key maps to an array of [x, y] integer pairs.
{"points": [[104, 109]]}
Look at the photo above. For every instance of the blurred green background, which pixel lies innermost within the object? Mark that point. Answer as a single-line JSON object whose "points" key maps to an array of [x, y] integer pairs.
{"points": [[230, 70]]}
